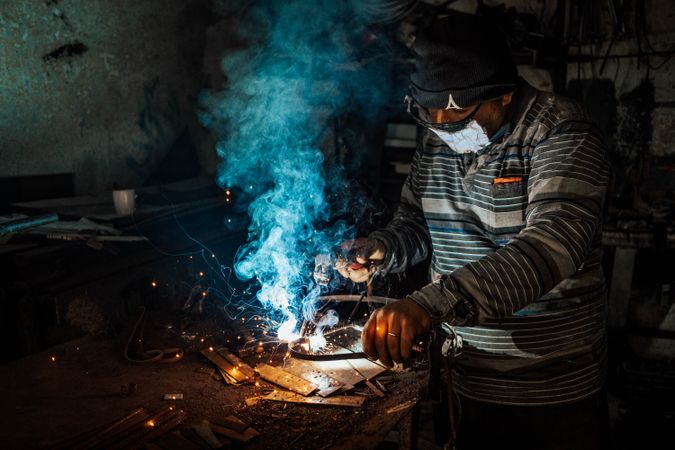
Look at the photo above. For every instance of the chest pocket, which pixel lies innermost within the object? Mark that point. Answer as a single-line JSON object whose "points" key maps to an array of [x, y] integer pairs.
{"points": [[508, 198]]}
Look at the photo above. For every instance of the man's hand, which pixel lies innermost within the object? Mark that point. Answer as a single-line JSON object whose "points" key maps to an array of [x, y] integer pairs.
{"points": [[391, 330], [367, 253]]}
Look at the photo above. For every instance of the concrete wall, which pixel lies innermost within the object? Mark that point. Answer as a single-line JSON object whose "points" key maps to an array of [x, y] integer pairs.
{"points": [[101, 89]]}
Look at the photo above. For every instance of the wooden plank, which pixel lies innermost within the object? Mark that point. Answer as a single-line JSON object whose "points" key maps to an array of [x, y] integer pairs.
{"points": [[307, 371], [340, 400], [285, 379], [224, 365], [236, 361]]}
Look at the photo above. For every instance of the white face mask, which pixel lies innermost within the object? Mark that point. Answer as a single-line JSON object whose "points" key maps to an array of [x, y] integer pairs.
{"points": [[470, 139]]}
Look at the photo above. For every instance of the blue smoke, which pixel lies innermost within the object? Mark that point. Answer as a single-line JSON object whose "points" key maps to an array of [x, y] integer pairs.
{"points": [[299, 71]]}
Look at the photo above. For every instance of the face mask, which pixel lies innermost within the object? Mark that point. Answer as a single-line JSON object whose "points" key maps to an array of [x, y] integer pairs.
{"points": [[470, 139]]}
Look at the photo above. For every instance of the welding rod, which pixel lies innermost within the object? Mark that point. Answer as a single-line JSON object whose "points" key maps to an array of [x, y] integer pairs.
{"points": [[115, 428], [146, 428], [86, 436], [358, 302], [172, 422]]}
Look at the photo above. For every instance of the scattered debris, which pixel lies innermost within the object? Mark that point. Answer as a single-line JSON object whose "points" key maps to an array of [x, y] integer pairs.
{"points": [[252, 401], [210, 371], [285, 379]]}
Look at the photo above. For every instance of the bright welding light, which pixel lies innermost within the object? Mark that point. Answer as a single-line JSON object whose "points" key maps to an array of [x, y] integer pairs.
{"points": [[317, 342], [287, 331]]}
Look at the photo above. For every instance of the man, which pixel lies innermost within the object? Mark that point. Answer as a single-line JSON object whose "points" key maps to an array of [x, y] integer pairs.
{"points": [[505, 193]]}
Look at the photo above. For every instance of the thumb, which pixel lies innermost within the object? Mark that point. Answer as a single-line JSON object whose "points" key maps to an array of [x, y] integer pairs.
{"points": [[372, 250]]}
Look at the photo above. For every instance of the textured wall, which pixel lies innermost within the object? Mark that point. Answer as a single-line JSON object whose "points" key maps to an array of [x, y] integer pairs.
{"points": [[101, 89], [627, 74]]}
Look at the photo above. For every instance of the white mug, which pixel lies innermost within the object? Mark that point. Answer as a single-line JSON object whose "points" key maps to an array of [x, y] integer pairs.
{"points": [[125, 201]]}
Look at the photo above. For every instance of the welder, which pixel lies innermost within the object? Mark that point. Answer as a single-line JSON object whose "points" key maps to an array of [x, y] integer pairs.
{"points": [[505, 196]]}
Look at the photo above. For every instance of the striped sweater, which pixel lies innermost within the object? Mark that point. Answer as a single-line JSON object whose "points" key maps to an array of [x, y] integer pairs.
{"points": [[514, 235]]}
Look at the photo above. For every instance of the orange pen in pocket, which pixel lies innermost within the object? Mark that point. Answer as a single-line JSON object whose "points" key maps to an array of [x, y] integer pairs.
{"points": [[507, 180]]}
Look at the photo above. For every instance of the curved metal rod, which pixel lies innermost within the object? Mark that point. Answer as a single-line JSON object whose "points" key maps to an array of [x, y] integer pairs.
{"points": [[293, 346]]}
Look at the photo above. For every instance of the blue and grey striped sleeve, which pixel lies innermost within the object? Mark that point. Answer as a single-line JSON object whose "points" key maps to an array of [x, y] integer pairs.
{"points": [[566, 190], [406, 237]]}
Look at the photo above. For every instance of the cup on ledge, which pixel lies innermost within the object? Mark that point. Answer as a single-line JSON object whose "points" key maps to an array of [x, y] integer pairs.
{"points": [[125, 201]]}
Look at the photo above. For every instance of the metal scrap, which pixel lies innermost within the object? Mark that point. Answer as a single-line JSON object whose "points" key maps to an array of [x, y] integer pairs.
{"points": [[236, 361], [204, 431], [242, 436], [231, 422], [225, 366], [374, 389], [174, 396], [285, 379], [340, 400]]}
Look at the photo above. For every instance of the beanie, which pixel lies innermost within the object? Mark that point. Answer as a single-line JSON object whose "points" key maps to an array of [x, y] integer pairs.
{"points": [[461, 60]]}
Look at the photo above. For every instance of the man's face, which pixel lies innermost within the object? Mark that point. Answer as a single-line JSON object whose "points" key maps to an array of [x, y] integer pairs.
{"points": [[490, 115]]}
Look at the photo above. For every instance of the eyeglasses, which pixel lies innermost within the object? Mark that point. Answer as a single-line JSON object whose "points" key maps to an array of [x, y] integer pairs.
{"points": [[422, 116]]}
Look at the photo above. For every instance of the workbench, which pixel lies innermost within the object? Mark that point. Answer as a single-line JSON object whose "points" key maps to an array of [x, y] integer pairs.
{"points": [[76, 386]]}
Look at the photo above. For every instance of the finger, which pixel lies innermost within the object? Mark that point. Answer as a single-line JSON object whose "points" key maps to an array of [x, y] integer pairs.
{"points": [[381, 341], [368, 337], [361, 259], [360, 275], [406, 342], [341, 263], [393, 335], [366, 253], [344, 271]]}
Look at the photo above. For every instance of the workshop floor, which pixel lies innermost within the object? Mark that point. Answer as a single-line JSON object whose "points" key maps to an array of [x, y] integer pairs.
{"points": [[76, 386]]}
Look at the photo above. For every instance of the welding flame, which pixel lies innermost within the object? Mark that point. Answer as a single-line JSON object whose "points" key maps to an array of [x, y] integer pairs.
{"points": [[329, 319]]}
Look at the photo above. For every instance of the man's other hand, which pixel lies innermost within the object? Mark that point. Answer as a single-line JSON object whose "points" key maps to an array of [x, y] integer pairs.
{"points": [[363, 256], [390, 332]]}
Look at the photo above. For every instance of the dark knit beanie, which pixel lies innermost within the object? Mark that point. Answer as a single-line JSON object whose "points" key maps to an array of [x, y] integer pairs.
{"points": [[461, 60]]}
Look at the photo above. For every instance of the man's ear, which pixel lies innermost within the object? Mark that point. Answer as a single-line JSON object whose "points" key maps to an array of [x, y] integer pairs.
{"points": [[506, 98]]}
